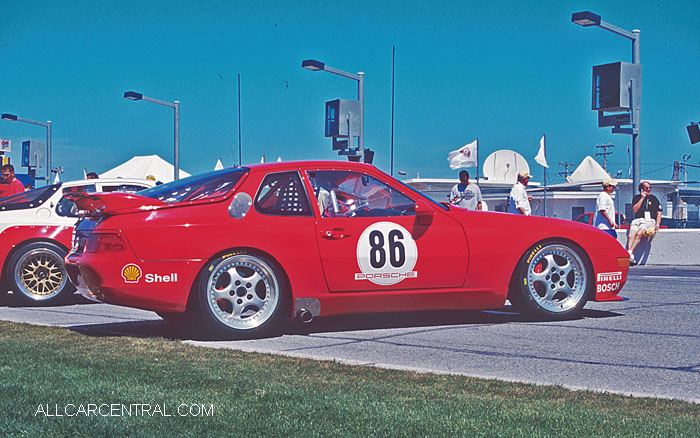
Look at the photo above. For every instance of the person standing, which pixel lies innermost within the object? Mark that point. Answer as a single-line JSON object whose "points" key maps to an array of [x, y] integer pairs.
{"points": [[464, 194], [647, 217], [8, 174], [519, 200], [604, 217]]}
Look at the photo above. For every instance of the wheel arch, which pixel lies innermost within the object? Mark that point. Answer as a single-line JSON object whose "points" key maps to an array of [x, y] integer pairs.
{"points": [[21, 245], [251, 251], [590, 288]]}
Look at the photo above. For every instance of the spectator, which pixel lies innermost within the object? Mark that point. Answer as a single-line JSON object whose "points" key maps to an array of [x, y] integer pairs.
{"points": [[647, 217], [466, 195], [519, 201], [29, 187], [92, 175], [8, 174], [604, 217]]}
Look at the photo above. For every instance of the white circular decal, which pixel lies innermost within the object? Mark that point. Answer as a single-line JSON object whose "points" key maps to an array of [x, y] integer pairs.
{"points": [[386, 254]]}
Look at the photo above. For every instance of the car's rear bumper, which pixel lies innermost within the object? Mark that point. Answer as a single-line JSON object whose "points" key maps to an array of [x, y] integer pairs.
{"points": [[150, 285]]}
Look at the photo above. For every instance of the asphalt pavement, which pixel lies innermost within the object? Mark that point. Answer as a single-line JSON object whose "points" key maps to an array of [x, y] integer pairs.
{"points": [[648, 345]]}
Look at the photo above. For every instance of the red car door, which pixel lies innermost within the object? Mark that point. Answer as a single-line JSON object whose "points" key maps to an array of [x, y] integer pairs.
{"points": [[370, 238]]}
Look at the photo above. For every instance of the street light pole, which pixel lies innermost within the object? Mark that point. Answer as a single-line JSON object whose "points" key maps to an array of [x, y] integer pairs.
{"points": [[47, 125], [133, 95], [586, 19], [313, 65]]}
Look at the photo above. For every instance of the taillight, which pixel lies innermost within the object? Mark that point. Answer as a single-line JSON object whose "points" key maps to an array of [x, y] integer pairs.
{"points": [[104, 242]]}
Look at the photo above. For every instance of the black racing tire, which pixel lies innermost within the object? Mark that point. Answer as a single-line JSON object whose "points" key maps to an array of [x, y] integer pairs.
{"points": [[241, 295], [36, 274], [553, 281]]}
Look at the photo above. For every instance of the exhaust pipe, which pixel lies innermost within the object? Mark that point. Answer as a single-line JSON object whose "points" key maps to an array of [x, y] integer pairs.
{"points": [[305, 316]]}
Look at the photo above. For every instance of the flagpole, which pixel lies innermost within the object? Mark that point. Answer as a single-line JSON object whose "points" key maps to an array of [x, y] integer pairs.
{"points": [[545, 175], [477, 160]]}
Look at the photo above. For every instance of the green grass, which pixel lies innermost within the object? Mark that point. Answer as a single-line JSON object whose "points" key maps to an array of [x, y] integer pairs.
{"points": [[264, 395]]}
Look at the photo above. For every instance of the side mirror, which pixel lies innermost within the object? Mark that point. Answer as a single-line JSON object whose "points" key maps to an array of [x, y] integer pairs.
{"points": [[424, 212]]}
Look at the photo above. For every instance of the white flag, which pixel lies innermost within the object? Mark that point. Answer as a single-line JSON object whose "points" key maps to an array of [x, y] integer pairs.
{"points": [[84, 173], [56, 180], [464, 156], [540, 158], [219, 165], [262, 160], [279, 159]]}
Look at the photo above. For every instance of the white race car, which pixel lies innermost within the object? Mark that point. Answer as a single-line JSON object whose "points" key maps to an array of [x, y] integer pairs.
{"points": [[35, 235]]}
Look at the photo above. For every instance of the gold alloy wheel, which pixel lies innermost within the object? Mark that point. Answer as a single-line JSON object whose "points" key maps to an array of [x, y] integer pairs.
{"points": [[40, 274]]}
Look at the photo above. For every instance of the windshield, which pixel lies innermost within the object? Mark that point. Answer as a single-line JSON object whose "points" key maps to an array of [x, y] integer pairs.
{"points": [[205, 186], [28, 199]]}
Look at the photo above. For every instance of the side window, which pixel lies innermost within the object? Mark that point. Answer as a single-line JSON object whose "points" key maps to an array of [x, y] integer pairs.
{"points": [[282, 194], [87, 188], [353, 194]]}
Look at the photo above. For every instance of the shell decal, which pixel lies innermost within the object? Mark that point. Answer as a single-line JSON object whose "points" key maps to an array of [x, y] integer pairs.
{"points": [[131, 273]]}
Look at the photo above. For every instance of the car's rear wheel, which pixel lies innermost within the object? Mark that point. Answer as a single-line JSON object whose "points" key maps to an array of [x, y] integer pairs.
{"points": [[242, 295], [552, 281], [36, 274]]}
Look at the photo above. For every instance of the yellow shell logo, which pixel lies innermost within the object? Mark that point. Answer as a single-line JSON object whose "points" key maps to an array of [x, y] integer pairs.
{"points": [[131, 273]]}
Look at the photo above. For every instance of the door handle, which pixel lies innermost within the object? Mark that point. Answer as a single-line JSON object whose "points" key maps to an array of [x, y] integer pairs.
{"points": [[334, 234]]}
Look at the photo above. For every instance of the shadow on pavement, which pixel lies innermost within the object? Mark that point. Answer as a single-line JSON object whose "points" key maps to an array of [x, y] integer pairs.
{"points": [[359, 322], [10, 300]]}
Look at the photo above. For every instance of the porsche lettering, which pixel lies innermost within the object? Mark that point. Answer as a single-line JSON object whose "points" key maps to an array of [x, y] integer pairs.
{"points": [[394, 275]]}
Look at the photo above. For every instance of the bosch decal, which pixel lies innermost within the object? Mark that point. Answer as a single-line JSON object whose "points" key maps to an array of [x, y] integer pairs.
{"points": [[386, 254]]}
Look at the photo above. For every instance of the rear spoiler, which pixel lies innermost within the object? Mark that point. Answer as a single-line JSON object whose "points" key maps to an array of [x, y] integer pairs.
{"points": [[107, 204]]}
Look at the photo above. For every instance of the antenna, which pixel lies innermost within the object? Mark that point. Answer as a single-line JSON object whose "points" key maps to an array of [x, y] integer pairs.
{"points": [[504, 165]]}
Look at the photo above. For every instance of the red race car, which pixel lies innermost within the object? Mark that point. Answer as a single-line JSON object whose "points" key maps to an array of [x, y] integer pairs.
{"points": [[242, 251]]}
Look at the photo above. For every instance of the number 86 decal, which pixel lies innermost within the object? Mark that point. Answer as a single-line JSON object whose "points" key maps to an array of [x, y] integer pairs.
{"points": [[386, 254]]}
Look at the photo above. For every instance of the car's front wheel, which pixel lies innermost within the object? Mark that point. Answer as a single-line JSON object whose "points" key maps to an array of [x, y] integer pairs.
{"points": [[551, 282], [36, 274], [242, 295]]}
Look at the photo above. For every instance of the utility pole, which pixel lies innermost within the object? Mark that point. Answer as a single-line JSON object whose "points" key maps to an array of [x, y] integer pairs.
{"points": [[566, 165], [686, 157], [605, 153]]}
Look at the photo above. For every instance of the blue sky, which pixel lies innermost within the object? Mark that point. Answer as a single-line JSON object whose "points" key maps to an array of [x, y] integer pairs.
{"points": [[503, 71]]}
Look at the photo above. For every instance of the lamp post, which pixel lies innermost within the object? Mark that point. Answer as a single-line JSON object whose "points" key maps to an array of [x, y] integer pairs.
{"points": [[47, 125], [586, 19], [313, 65], [133, 95]]}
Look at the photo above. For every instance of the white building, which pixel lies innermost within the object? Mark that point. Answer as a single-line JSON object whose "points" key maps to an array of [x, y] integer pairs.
{"points": [[570, 199]]}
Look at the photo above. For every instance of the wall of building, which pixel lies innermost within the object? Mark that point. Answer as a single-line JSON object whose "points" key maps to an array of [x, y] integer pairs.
{"points": [[668, 247]]}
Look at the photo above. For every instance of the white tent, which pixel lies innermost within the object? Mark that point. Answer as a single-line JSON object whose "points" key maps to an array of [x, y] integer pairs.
{"points": [[143, 166], [589, 170]]}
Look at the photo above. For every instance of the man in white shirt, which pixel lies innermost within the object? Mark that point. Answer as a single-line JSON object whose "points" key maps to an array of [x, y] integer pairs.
{"points": [[519, 201], [466, 195], [604, 217]]}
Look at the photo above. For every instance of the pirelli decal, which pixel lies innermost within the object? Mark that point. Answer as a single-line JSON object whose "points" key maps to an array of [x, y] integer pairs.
{"points": [[609, 276]]}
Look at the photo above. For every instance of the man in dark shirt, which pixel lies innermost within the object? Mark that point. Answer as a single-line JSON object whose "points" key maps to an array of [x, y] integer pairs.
{"points": [[647, 217]]}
